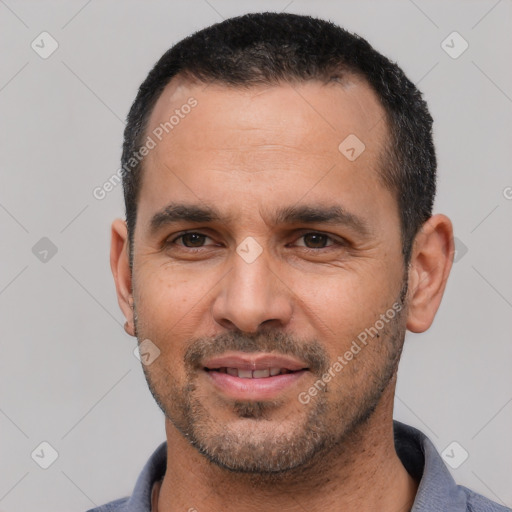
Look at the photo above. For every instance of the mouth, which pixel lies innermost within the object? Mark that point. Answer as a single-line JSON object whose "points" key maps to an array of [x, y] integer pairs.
{"points": [[253, 377], [252, 374]]}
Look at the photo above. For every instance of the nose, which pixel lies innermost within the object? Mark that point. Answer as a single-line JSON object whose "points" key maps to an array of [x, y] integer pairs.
{"points": [[251, 295]]}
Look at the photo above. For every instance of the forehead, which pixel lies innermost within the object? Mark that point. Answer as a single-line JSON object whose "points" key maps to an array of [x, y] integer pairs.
{"points": [[274, 141], [309, 116]]}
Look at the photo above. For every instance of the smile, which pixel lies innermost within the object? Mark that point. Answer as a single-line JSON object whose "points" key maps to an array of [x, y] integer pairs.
{"points": [[253, 376]]}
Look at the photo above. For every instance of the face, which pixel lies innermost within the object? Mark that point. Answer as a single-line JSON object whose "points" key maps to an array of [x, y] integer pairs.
{"points": [[267, 268]]}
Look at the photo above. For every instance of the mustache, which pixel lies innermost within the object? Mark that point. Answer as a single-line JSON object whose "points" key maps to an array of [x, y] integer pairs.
{"points": [[311, 352]]}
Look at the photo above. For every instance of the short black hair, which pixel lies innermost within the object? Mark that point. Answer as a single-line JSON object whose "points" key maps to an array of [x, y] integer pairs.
{"points": [[272, 48]]}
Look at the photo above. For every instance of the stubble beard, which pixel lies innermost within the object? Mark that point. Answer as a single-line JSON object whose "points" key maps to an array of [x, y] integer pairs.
{"points": [[325, 427]]}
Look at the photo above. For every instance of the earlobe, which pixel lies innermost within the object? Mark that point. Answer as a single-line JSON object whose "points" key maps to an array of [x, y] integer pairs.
{"points": [[120, 266], [430, 266]]}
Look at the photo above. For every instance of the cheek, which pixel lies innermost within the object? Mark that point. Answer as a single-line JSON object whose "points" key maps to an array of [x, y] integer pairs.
{"points": [[169, 306], [343, 312], [168, 294], [343, 304]]}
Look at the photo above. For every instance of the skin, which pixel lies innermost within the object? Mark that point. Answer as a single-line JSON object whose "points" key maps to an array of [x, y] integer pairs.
{"points": [[247, 152]]}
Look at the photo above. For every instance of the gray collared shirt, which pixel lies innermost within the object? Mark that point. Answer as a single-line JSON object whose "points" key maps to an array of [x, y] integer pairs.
{"points": [[437, 491]]}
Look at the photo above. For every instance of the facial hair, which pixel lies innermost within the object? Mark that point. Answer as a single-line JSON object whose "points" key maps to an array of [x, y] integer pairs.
{"points": [[318, 428]]}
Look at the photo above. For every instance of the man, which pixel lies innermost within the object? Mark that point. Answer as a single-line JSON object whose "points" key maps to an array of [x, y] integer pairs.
{"points": [[279, 177]]}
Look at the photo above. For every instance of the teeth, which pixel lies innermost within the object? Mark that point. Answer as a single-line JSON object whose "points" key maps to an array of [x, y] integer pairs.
{"points": [[257, 374], [253, 374]]}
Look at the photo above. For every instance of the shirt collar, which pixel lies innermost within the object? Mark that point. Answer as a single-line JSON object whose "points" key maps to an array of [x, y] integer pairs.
{"points": [[437, 489]]}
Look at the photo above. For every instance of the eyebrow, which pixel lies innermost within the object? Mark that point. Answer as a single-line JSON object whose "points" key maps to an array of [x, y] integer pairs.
{"points": [[306, 214]]}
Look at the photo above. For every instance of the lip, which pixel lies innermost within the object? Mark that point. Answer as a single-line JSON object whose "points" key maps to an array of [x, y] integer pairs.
{"points": [[255, 362], [253, 389], [265, 388]]}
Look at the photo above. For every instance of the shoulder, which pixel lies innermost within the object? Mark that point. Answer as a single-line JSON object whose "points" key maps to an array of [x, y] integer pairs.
{"points": [[478, 503], [113, 506], [140, 500], [437, 489]]}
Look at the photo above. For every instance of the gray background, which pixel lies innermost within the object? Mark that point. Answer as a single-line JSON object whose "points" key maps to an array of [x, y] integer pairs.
{"points": [[68, 375]]}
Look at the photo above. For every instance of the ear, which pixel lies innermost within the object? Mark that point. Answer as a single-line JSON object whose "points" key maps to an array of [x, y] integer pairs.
{"points": [[431, 262], [120, 265]]}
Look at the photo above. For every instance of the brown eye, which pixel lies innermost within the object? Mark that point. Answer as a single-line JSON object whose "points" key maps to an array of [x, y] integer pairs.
{"points": [[315, 240], [191, 240], [194, 239]]}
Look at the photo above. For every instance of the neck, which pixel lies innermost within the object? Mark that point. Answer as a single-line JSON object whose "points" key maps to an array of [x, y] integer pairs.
{"points": [[363, 473]]}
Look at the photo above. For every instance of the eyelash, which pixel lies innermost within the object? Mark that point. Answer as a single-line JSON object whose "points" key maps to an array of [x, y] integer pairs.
{"points": [[170, 242]]}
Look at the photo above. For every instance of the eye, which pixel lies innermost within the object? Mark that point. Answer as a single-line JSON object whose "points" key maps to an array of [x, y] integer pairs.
{"points": [[313, 241], [317, 240], [189, 240]]}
